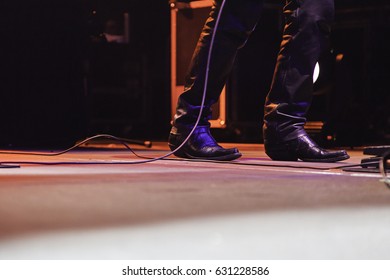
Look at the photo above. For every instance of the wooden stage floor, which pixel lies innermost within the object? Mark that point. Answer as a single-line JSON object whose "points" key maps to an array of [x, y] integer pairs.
{"points": [[170, 209]]}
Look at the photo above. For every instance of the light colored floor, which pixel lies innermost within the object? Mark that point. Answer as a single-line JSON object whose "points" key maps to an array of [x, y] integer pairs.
{"points": [[190, 210]]}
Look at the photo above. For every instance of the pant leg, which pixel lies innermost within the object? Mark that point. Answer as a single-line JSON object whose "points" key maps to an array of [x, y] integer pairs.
{"points": [[238, 20], [305, 36]]}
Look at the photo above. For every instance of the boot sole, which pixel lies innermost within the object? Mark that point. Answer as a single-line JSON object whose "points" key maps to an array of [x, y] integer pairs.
{"points": [[335, 159], [291, 157], [221, 158], [183, 154]]}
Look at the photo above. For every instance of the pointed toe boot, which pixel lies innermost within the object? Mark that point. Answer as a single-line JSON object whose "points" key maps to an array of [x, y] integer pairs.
{"points": [[303, 148], [200, 145]]}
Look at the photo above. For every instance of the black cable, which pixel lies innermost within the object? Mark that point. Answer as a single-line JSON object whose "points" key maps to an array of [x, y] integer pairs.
{"points": [[124, 141], [177, 159], [269, 165], [6, 163]]}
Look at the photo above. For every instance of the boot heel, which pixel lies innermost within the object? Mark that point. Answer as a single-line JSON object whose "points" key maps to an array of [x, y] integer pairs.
{"points": [[281, 154], [180, 153]]}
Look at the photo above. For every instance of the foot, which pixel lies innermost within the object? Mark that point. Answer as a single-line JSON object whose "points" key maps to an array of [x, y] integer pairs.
{"points": [[303, 148], [201, 145]]}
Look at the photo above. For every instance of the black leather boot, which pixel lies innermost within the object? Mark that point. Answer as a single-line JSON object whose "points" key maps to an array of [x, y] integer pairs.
{"points": [[305, 38], [302, 148], [201, 144]]}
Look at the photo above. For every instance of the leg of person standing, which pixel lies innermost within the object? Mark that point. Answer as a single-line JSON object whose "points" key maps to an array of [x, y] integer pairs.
{"points": [[238, 20], [305, 36]]}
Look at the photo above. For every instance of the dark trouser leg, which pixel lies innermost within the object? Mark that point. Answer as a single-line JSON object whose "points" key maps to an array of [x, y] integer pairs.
{"points": [[238, 19], [305, 36]]}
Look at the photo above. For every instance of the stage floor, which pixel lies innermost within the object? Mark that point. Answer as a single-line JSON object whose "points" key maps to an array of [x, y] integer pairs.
{"points": [[169, 209]]}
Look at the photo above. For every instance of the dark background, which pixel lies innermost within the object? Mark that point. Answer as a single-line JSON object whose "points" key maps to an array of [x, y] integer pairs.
{"points": [[61, 81]]}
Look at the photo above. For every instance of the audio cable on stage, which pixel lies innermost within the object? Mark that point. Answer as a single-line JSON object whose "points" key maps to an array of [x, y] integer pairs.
{"points": [[145, 159], [382, 162]]}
